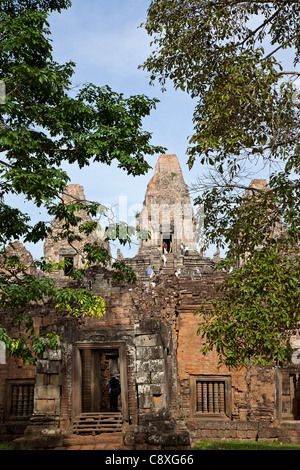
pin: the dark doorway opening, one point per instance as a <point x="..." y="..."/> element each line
<point x="69" y="265"/>
<point x="109" y="368"/>
<point x="290" y="395"/>
<point x="98" y="366"/>
<point x="167" y="240"/>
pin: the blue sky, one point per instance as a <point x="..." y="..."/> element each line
<point x="105" y="41"/>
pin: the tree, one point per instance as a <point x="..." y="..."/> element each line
<point x="257" y="312"/>
<point x="41" y="126"/>
<point x="225" y="54"/>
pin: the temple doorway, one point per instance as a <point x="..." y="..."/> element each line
<point x="98" y="367"/>
<point x="167" y="239"/>
<point x="93" y="368"/>
<point x="109" y="370"/>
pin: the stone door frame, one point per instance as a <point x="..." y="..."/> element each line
<point x="77" y="374"/>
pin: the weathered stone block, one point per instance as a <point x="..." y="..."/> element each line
<point x="55" y="379"/>
<point x="47" y="406"/>
<point x="47" y="391"/>
<point x="48" y="367"/>
<point x="148" y="340"/>
<point x="242" y="426"/>
<point x="147" y="327"/>
<point x="142" y="366"/>
<point x="129" y="438"/>
<point x="157" y="389"/>
<point x="183" y="439"/>
<point x="170" y="439"/>
<point x="144" y="395"/>
<point x="157" y="377"/>
<point x="52" y="355"/>
<point x="154" y="439"/>
<point x="156" y="365"/>
<point x="156" y="352"/>
<point x="143" y="378"/>
<point x="140" y="438"/>
<point x="144" y="353"/>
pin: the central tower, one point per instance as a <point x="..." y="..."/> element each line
<point x="168" y="226"/>
<point x="167" y="212"/>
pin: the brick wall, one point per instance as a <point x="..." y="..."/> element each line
<point x="162" y="321"/>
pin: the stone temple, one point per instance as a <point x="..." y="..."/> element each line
<point x="168" y="217"/>
<point x="171" y="395"/>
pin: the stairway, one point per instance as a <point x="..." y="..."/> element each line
<point x="169" y="268"/>
<point x="96" y="423"/>
<point x="95" y="431"/>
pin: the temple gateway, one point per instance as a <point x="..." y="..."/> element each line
<point x="169" y="395"/>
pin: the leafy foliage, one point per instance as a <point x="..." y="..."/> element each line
<point x="213" y="51"/>
<point x="41" y="127"/>
<point x="225" y="55"/>
<point x="79" y="302"/>
<point x="258" y="311"/>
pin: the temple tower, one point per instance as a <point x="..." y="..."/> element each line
<point x="57" y="248"/>
<point x="168" y="226"/>
<point x="167" y="212"/>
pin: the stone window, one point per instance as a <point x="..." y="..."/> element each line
<point x="19" y="399"/>
<point x="211" y="396"/>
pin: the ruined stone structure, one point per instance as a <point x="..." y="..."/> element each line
<point x="168" y="217"/>
<point x="171" y="395"/>
<point x="59" y="249"/>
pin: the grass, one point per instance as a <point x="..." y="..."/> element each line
<point x="3" y="445"/>
<point x="243" y="445"/>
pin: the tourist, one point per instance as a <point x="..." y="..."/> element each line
<point x="164" y="259"/>
<point x="114" y="392"/>
<point x="181" y="248"/>
<point x="149" y="271"/>
<point x="178" y="272"/>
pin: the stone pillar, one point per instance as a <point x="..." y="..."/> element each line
<point x="151" y="368"/>
<point x="47" y="395"/>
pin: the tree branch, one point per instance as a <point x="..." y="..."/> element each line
<point x="259" y="27"/>
<point x="237" y="2"/>
<point x="280" y="47"/>
<point x="5" y="163"/>
<point x="288" y="73"/>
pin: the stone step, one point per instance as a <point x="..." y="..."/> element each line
<point x="95" y="423"/>
<point x="75" y="440"/>
<point x="103" y="441"/>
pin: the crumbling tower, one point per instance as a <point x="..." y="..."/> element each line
<point x="167" y="210"/>
<point x="57" y="248"/>
<point x="168" y="217"/>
